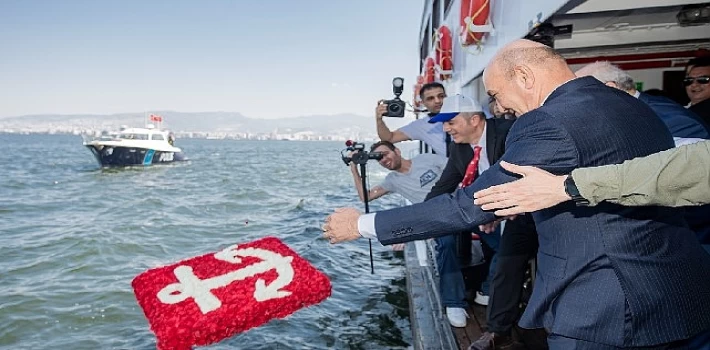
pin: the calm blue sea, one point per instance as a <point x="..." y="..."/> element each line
<point x="73" y="236"/>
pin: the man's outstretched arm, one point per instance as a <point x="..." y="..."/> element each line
<point x="533" y="140"/>
<point x="675" y="177"/>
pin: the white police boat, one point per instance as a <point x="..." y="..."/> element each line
<point x="135" y="146"/>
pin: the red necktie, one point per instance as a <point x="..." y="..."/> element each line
<point x="472" y="168"/>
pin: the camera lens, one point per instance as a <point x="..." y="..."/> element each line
<point x="393" y="107"/>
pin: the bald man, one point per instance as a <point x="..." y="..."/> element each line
<point x="609" y="276"/>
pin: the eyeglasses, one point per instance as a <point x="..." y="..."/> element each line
<point x="701" y="80"/>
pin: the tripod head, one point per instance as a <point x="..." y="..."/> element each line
<point x="359" y="154"/>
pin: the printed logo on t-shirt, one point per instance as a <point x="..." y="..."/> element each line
<point x="427" y="177"/>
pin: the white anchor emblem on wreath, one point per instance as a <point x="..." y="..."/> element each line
<point x="190" y="286"/>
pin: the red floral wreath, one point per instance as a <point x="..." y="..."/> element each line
<point x="179" y="321"/>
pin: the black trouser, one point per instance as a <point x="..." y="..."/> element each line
<point x="516" y="249"/>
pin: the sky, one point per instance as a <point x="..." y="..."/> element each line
<point x="264" y="59"/>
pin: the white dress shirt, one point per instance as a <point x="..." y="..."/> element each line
<point x="366" y="222"/>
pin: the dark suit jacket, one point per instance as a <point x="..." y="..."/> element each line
<point x="460" y="156"/>
<point x="680" y="121"/>
<point x="684" y="123"/>
<point x="624" y="276"/>
<point x="702" y="109"/>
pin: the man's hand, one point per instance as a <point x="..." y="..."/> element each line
<point x="380" y="110"/>
<point x="353" y="166"/>
<point x="491" y="226"/>
<point x="341" y="226"/>
<point x="537" y="190"/>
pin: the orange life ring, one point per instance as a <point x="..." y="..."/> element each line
<point x="475" y="12"/>
<point x="429" y="70"/>
<point x="444" y="46"/>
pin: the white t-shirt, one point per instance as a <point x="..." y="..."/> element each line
<point x="417" y="182"/>
<point x="431" y="134"/>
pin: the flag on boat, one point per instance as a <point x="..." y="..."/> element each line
<point x="156" y="118"/>
<point x="205" y="299"/>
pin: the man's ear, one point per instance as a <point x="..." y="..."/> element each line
<point x="611" y="84"/>
<point x="524" y="76"/>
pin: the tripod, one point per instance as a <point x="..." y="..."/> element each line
<point x="363" y="178"/>
<point x="360" y="156"/>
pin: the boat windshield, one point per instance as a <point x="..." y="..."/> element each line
<point x="133" y="136"/>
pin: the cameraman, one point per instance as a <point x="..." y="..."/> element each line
<point x="432" y="95"/>
<point x="412" y="179"/>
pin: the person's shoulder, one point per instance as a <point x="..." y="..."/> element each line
<point x="417" y="125"/>
<point x="500" y="123"/>
<point x="537" y="115"/>
<point x="429" y="157"/>
<point x="536" y="122"/>
<point x="652" y="100"/>
<point x="703" y="106"/>
<point x="420" y="122"/>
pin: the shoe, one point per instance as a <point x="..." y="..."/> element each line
<point x="491" y="341"/>
<point x="481" y="299"/>
<point x="457" y="316"/>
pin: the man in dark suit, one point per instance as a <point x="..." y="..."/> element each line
<point x="697" y="86"/>
<point x="684" y="125"/>
<point x="478" y="143"/>
<point x="609" y="276"/>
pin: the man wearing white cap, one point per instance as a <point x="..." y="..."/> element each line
<point x="478" y="143"/>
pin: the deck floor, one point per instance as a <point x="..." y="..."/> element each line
<point x="430" y="327"/>
<point x="523" y="339"/>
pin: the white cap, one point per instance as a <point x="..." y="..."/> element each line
<point x="453" y="105"/>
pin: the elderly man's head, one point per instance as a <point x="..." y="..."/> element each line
<point x="522" y="74"/>
<point x="609" y="74"/>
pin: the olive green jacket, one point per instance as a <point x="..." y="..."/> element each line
<point x="676" y="177"/>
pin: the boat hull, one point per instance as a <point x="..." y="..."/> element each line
<point x="128" y="156"/>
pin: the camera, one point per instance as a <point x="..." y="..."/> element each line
<point x="395" y="106"/>
<point x="359" y="156"/>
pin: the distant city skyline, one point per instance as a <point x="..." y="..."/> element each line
<point x="267" y="59"/>
<point x="207" y="125"/>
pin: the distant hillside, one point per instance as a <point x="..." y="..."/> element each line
<point x="198" y="122"/>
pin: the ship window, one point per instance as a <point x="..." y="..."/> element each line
<point x="435" y="16"/>
<point x="134" y="136"/>
<point x="157" y="137"/>
<point x="447" y="6"/>
<point x="424" y="49"/>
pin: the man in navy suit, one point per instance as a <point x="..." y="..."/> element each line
<point x="478" y="143"/>
<point x="685" y="126"/>
<point x="609" y="276"/>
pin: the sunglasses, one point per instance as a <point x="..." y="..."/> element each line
<point x="701" y="80"/>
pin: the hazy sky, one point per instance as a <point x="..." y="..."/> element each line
<point x="265" y="59"/>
